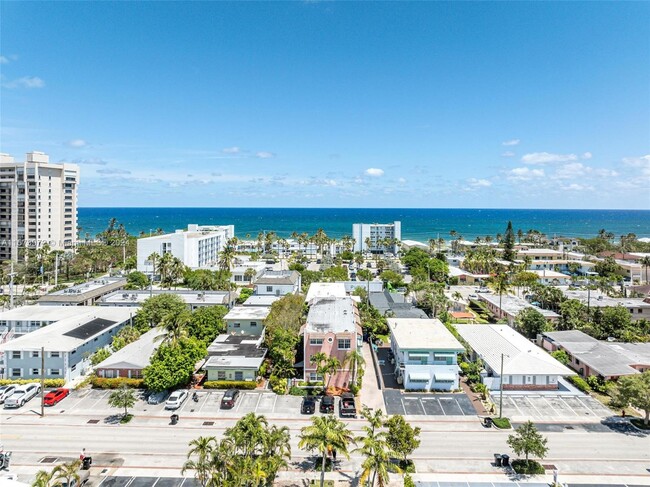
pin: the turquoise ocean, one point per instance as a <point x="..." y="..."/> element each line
<point x="417" y="224"/>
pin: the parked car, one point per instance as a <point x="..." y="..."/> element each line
<point x="308" y="405"/>
<point x="327" y="404"/>
<point x="473" y="296"/>
<point x="347" y="406"/>
<point x="157" y="397"/>
<point x="229" y="399"/>
<point x="55" y="396"/>
<point x="6" y="391"/>
<point x="21" y="395"/>
<point x="176" y="399"/>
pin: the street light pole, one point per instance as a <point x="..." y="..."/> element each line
<point x="501" y="388"/>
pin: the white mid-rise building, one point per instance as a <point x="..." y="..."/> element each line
<point x="377" y="233"/>
<point x="197" y="247"/>
<point x="38" y="205"/>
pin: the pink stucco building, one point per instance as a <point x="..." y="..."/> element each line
<point x="333" y="327"/>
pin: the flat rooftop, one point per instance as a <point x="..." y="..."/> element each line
<point x="421" y="334"/>
<point x="319" y="290"/>
<point x="598" y="299"/>
<point x="520" y="355"/>
<point x="278" y="278"/>
<point x="549" y="274"/>
<point x="265" y="300"/>
<point x="70" y="333"/>
<point x="87" y="290"/>
<point x="136" y="298"/>
<point x="44" y="313"/>
<point x="248" y="313"/>
<point x="332" y="315"/>
<point x="237" y="346"/>
<point x="513" y="305"/>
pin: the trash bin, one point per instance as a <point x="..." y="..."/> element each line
<point x="86" y="463"/>
<point x="505" y="460"/>
<point x="174" y="418"/>
<point x="497" y="459"/>
<point x="487" y="422"/>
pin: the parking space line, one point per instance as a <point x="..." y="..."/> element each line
<point x="584" y="403"/>
<point x="533" y="406"/>
<point x="259" y="397"/>
<point x="98" y="400"/>
<point x="568" y="406"/>
<point x="459" y="407"/>
<point x="207" y="399"/>
<point x="443" y="409"/>
<point x="274" y="402"/>
<point x="515" y="405"/>
<point x="185" y="402"/>
<point x="550" y="404"/>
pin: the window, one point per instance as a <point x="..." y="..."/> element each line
<point x="36" y="371"/>
<point x="74" y="367"/>
<point x="269" y="289"/>
<point x="239" y="375"/>
<point x="16" y="372"/>
<point x="253" y="323"/>
<point x="239" y="278"/>
<point x="424" y="381"/>
<point x="16" y="355"/>
<point x="344" y="344"/>
<point x="55" y="372"/>
<point x="221" y="375"/>
<point x="314" y="377"/>
<point x="236" y="325"/>
<point x="315" y="341"/>
<point x="55" y="354"/>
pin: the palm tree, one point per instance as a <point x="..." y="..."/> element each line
<point x="175" y="324"/>
<point x="155" y="256"/>
<point x="645" y="263"/>
<point x="323" y="435"/>
<point x="122" y="398"/>
<point x="43" y="479"/>
<point x="203" y="447"/>
<point x="355" y="360"/>
<point x="227" y="254"/>
<point x="67" y="472"/>
<point x="501" y="285"/>
<point x="376" y="451"/>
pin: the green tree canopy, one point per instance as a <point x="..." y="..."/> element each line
<point x="531" y="322"/>
<point x="335" y="273"/>
<point x="172" y="366"/>
<point x="207" y="323"/>
<point x="402" y="438"/>
<point x="136" y="280"/>
<point x="155" y="308"/>
<point x="528" y="441"/>
<point x="123" y="397"/>
<point x="634" y="390"/>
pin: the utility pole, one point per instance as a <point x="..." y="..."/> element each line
<point x="11" y="286"/>
<point x="56" y="270"/>
<point x="42" y="382"/>
<point x="501" y="388"/>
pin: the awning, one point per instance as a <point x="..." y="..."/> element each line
<point x="418" y="354"/>
<point x="419" y="376"/>
<point x="444" y="377"/>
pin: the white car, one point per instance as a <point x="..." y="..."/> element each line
<point x="6" y="391"/>
<point x="176" y="399"/>
<point x="21" y="395"/>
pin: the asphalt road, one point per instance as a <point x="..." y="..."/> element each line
<point x="149" y="446"/>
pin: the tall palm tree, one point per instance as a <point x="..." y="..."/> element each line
<point x="377" y="458"/>
<point x="175" y="325"/>
<point x="153" y="258"/>
<point x="501" y="284"/>
<point x="645" y="263"/>
<point x="202" y="447"/>
<point x="355" y="360"/>
<point x="43" y="479"/>
<point x="67" y="472"/>
<point x="324" y="434"/>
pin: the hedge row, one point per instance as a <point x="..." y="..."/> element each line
<point x="102" y="383"/>
<point x="48" y="382"/>
<point x="229" y="384"/>
<point x="579" y="382"/>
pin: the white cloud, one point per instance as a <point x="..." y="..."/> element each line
<point x="547" y="157"/>
<point x="231" y="150"/>
<point x="508" y="153"/>
<point x="374" y="172"/>
<point x="575" y="170"/>
<point x="587" y="155"/>
<point x="77" y="143"/>
<point x="401" y="180"/>
<point x="511" y="142"/>
<point x="113" y="171"/>
<point x="578" y="187"/>
<point x="642" y="162"/>
<point x="92" y="161"/>
<point x="524" y="174"/>
<point x="25" y="82"/>
<point x="264" y="155"/>
<point x="479" y="183"/>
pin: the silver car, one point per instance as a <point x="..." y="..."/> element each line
<point x="176" y="399"/>
<point x="6" y="391"/>
<point x="21" y="395"/>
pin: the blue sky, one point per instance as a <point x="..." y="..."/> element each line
<point x="322" y="104"/>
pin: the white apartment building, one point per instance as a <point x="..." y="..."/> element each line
<point x="376" y="232"/>
<point x="197" y="247"/>
<point x="38" y="204"/>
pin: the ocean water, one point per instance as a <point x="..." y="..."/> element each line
<point x="417" y="224"/>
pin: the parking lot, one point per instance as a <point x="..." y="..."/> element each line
<point x="95" y="402"/>
<point x="553" y="408"/>
<point x="146" y="482"/>
<point x="428" y="404"/>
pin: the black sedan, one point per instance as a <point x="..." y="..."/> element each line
<point x="308" y="405"/>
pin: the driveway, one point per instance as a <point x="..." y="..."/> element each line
<point x="428" y="404"/>
<point x="387" y="369"/>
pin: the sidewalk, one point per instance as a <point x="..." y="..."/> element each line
<point x="371" y="395"/>
<point x="474" y="398"/>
